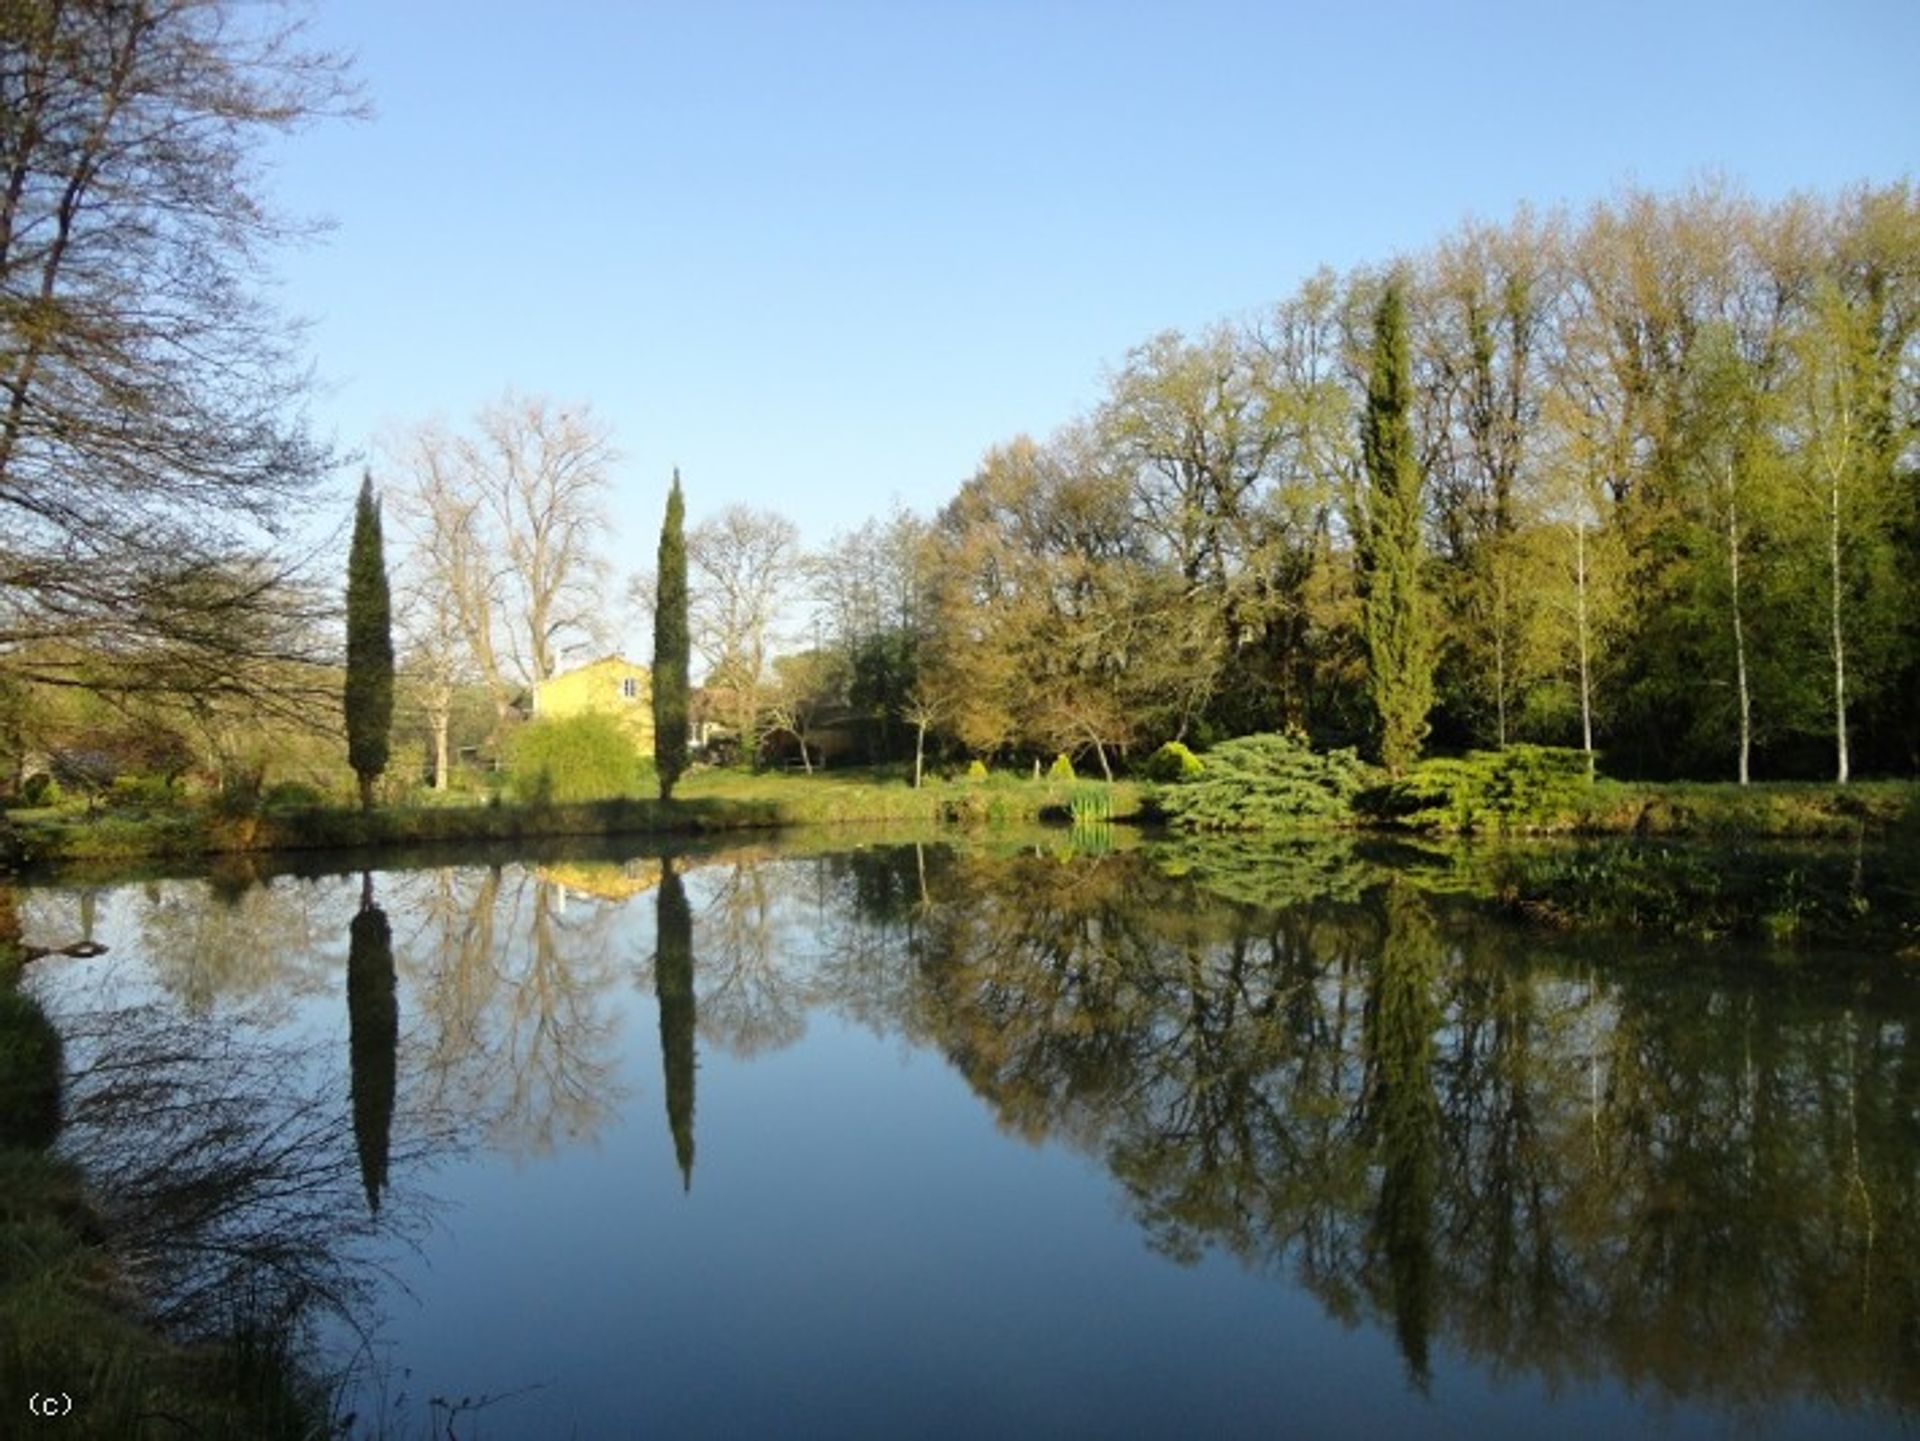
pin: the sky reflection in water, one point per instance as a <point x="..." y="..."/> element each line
<point x="915" y="1141"/>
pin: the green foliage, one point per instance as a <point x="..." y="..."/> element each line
<point x="293" y="796"/>
<point x="1173" y="762"/>
<point x="1266" y="781"/>
<point x="29" y="1072"/>
<point x="672" y="688"/>
<point x="1523" y="787"/>
<point x="1091" y="804"/>
<point x="369" y="687"/>
<point x="143" y="793"/>
<point x="1399" y="621"/>
<point x="1061" y="769"/>
<point x="42" y="789"/>
<point x="1705" y="893"/>
<point x="976" y="770"/>
<point x="587" y="757"/>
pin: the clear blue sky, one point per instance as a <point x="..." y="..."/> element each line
<point x="820" y="255"/>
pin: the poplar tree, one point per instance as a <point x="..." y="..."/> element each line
<point x="369" y="688"/>
<point x="1398" y="614"/>
<point x="671" y="646"/>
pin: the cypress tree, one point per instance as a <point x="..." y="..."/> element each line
<point x="369" y="690"/>
<point x="1398" y="614"/>
<point x="670" y="647"/>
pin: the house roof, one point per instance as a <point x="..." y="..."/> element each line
<point x="615" y="659"/>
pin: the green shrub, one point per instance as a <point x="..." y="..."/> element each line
<point x="1523" y="787"/>
<point x="293" y="795"/>
<point x="29" y="1073"/>
<point x="977" y="770"/>
<point x="1173" y="763"/>
<point x="586" y="757"/>
<point x="42" y="789"/>
<point x="1061" y="769"/>
<point x="143" y="793"/>
<point x="1267" y="781"/>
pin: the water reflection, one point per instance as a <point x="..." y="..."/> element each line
<point x="373" y="1028"/>
<point x="514" y="975"/>
<point x="1699" y="1182"/>
<point x="1704" y="1185"/>
<point x="226" y="1159"/>
<point x="673" y="985"/>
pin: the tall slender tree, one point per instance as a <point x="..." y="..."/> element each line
<point x="1398" y="615"/>
<point x="369" y="690"/>
<point x="671" y="646"/>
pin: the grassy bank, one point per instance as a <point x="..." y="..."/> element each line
<point x="709" y="802"/>
<point x="68" y="1320"/>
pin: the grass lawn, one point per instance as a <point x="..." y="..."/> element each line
<point x="707" y="801"/>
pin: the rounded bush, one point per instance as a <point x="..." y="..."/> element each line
<point x="589" y="757"/>
<point x="1061" y="769"/>
<point x="1172" y="763"/>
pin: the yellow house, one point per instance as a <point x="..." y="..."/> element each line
<point x="611" y="684"/>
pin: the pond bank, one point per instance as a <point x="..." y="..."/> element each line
<point x="70" y="1321"/>
<point x="708" y="804"/>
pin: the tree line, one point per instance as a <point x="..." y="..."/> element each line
<point x="1643" y="480"/>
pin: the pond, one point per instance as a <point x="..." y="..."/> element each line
<point x="942" y="1140"/>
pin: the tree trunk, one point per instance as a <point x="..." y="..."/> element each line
<point x="919" y="750"/>
<point x="366" y="794"/>
<point x="1739" y="632"/>
<point x="442" y="724"/>
<point x="1580" y="624"/>
<point x="1839" y="641"/>
<point x="1500" y="651"/>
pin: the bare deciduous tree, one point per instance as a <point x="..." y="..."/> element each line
<point x="149" y="398"/>
<point x="503" y="522"/>
<point x="746" y="564"/>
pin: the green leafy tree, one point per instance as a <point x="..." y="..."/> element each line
<point x="369" y="690"/>
<point x="670" y="647"/>
<point x="1398" y="613"/>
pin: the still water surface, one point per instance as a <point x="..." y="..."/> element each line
<point x="916" y="1141"/>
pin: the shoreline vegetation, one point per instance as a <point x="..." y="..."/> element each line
<point x="70" y="1313"/>
<point x="1690" y="862"/>
<point x="1785" y="861"/>
<point x="723" y="802"/>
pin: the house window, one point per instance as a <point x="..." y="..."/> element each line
<point x="629" y="689"/>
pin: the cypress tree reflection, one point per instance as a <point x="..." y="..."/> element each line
<point x="673" y="984"/>
<point x="1404" y="1118"/>
<point x="373" y="1026"/>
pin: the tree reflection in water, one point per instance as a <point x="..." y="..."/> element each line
<point x="1698" y="1181"/>
<point x="1703" y="1183"/>
<point x="229" y="1161"/>
<point x="514" y="976"/>
<point x="673" y="985"/>
<point x="373" y="1029"/>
